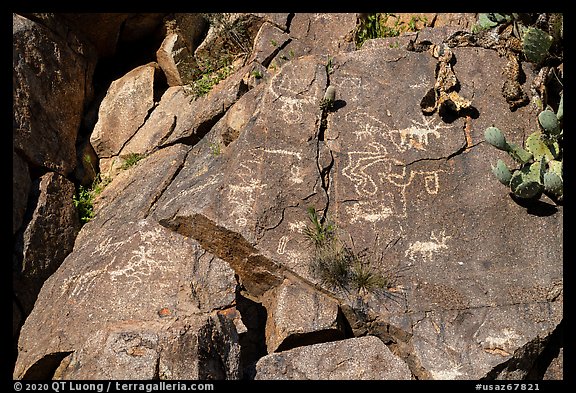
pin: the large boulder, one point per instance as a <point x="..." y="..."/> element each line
<point x="123" y="111"/>
<point x="376" y="169"/>
<point x="364" y="358"/>
<point x="300" y="316"/>
<point x="48" y="237"/>
<point x="52" y="81"/>
<point x="134" y="299"/>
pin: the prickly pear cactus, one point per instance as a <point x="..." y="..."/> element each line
<point x="502" y="172"/>
<point x="540" y="160"/>
<point x="535" y="44"/>
<point x="496" y="138"/>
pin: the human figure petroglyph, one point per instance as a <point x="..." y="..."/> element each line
<point x="293" y="92"/>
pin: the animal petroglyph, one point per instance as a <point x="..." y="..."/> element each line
<point x="298" y="155"/>
<point x="298" y="226"/>
<point x="426" y="249"/>
<point x="126" y="269"/>
<point x="368" y="212"/>
<point x="417" y="135"/>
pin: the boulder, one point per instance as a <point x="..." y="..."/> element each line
<point x="375" y="169"/>
<point x="267" y="43"/>
<point x="250" y="215"/>
<point x="124" y="110"/>
<point x="300" y="316"/>
<point x="145" y="303"/>
<point x="176" y="53"/>
<point x="174" y="59"/>
<point x="462" y="259"/>
<point x="52" y="81"/>
<point x="182" y="118"/>
<point x="307" y="36"/>
<point x="229" y="35"/>
<point x="48" y="236"/>
<point x="365" y="358"/>
<point x="21" y="184"/>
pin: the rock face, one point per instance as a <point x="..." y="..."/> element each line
<point x="48" y="237"/>
<point x="127" y="324"/>
<point x="298" y="315"/>
<point x="197" y="264"/>
<point x="52" y="80"/>
<point x="355" y="358"/>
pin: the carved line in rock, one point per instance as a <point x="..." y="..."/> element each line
<point x="426" y="249"/>
<point x="242" y="194"/>
<point x="287" y="91"/>
<point x="384" y="169"/>
<point x="142" y="263"/>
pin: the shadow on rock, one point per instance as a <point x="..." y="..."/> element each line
<point x="535" y="207"/>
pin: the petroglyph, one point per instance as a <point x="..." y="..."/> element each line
<point x="147" y="259"/>
<point x="284" y="152"/>
<point x="368" y="211"/>
<point x="210" y="181"/>
<point x="292" y="92"/>
<point x="297" y="226"/>
<point x="359" y="162"/>
<point x="427" y="249"/>
<point x="282" y="245"/>
<point x="417" y="135"/>
<point x="374" y="171"/>
<point x="422" y="82"/>
<point x="242" y="195"/>
<point x="350" y="83"/>
<point x="503" y="344"/>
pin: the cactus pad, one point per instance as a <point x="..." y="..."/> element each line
<point x="496" y="138"/>
<point x="536" y="144"/>
<point x="549" y="122"/>
<point x="502" y="172"/>
<point x="519" y="154"/>
<point x="535" y="44"/>
<point x="553" y="183"/>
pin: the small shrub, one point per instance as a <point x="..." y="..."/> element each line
<point x="84" y="204"/>
<point x="337" y="266"/>
<point x="84" y="198"/>
<point x="215" y="149"/>
<point x="208" y="80"/>
<point x="131" y="159"/>
<point x="322" y="233"/>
